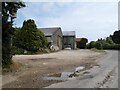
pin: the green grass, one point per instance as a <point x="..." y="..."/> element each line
<point x="14" y="67"/>
<point x="97" y="50"/>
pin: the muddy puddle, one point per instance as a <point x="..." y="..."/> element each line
<point x="61" y="76"/>
<point x="64" y="75"/>
<point x="79" y="72"/>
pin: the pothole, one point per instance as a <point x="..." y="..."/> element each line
<point x="64" y="75"/>
<point x="58" y="76"/>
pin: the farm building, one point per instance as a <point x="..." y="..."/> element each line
<point x="54" y="37"/>
<point x="69" y="39"/>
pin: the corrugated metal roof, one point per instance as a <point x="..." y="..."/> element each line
<point x="49" y="31"/>
<point x="68" y="33"/>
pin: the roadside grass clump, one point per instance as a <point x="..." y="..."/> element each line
<point x="14" y="67"/>
<point x="96" y="50"/>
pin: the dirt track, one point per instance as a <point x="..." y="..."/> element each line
<point x="104" y="75"/>
<point x="37" y="66"/>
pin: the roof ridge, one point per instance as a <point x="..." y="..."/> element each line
<point x="50" y="27"/>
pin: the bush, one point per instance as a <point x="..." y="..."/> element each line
<point x="94" y="44"/>
<point x="98" y="45"/>
<point x="112" y="47"/>
<point x="16" y="50"/>
<point x="91" y="45"/>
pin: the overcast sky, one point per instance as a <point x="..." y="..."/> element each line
<point x="92" y="20"/>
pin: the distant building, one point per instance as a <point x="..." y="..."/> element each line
<point x="69" y="39"/>
<point x="54" y="37"/>
<point x="59" y="40"/>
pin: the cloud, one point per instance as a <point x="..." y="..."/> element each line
<point x="91" y="20"/>
<point x="71" y="0"/>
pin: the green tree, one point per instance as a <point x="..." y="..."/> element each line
<point x="82" y="43"/>
<point x="98" y="45"/>
<point x="116" y="37"/>
<point x="9" y="10"/>
<point x="91" y="45"/>
<point x="109" y="40"/>
<point x="29" y="37"/>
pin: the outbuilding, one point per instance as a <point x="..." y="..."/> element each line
<point x="69" y="39"/>
<point x="54" y="37"/>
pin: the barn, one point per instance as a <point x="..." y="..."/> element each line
<point x="54" y="37"/>
<point x="69" y="39"/>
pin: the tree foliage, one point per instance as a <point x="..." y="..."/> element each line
<point x="109" y="40"/>
<point x="116" y="37"/>
<point x="82" y="43"/>
<point x="9" y="10"/>
<point x="29" y="37"/>
<point x="108" y="43"/>
<point x="91" y="44"/>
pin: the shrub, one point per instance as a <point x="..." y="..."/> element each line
<point x="98" y="45"/>
<point x="112" y="47"/>
<point x="16" y="50"/>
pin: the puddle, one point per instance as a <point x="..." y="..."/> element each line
<point x="78" y="69"/>
<point x="86" y="72"/>
<point x="66" y="75"/>
<point x="86" y="77"/>
<point x="60" y="76"/>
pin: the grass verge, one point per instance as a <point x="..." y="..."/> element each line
<point x="14" y="67"/>
<point x="97" y="50"/>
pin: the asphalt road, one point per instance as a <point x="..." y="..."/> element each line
<point x="105" y="75"/>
